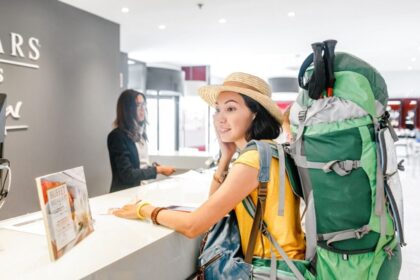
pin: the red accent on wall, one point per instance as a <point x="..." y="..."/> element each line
<point x="199" y="73"/>
<point x="195" y="73"/>
<point x="187" y="71"/>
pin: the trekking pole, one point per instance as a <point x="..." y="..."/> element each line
<point x="317" y="82"/>
<point x="329" y="57"/>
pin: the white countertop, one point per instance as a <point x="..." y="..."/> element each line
<point x="24" y="255"/>
<point x="181" y="159"/>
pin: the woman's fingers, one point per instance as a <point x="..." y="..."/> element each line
<point x="128" y="206"/>
<point x="167" y="170"/>
<point x="128" y="211"/>
<point x="127" y="214"/>
<point x="119" y="213"/>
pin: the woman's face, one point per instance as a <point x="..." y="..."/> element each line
<point x="141" y="108"/>
<point x="232" y="118"/>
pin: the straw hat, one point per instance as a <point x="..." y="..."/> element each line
<point x="245" y="84"/>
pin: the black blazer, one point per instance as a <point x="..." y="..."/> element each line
<point x="125" y="162"/>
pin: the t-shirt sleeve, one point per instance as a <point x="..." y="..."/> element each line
<point x="249" y="158"/>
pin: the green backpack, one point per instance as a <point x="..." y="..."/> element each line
<point x="344" y="152"/>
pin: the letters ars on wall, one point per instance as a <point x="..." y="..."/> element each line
<point x="18" y="44"/>
<point x="20" y="49"/>
<point x="21" y="52"/>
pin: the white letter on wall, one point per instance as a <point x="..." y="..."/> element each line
<point x="34" y="48"/>
<point x="1" y="48"/>
<point x="1" y="75"/>
<point x="15" y="113"/>
<point x="17" y="42"/>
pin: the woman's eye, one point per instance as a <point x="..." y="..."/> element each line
<point x="230" y="109"/>
<point x="217" y="110"/>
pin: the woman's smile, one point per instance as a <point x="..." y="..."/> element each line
<point x="223" y="130"/>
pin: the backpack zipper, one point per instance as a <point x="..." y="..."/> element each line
<point x="202" y="268"/>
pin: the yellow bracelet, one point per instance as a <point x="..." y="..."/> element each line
<point x="138" y="209"/>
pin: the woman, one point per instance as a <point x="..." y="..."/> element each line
<point x="127" y="144"/>
<point x="244" y="111"/>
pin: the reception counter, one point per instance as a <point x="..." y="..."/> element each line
<point x="118" y="248"/>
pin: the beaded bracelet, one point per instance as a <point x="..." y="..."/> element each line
<point x="155" y="213"/>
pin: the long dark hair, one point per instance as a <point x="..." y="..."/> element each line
<point x="264" y="125"/>
<point x="127" y="115"/>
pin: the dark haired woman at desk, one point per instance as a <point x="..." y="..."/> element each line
<point x="127" y="144"/>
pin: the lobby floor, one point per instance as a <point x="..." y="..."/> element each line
<point x="410" y="180"/>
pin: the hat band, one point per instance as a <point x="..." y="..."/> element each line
<point x="241" y="85"/>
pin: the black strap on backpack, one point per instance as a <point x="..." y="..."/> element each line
<point x="256" y="225"/>
<point x="322" y="77"/>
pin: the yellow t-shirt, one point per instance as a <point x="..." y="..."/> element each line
<point x="285" y="229"/>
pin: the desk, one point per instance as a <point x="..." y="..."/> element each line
<point x="118" y="248"/>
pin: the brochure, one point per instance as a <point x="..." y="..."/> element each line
<point x="65" y="208"/>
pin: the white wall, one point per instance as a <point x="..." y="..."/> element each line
<point x="402" y="83"/>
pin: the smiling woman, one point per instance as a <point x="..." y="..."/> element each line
<point x="244" y="113"/>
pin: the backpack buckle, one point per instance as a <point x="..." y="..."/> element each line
<point x="264" y="230"/>
<point x="302" y="115"/>
<point x="362" y="232"/>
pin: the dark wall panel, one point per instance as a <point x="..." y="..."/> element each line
<point x="68" y="103"/>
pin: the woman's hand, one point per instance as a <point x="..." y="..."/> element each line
<point x="128" y="211"/>
<point x="165" y="170"/>
<point x="227" y="150"/>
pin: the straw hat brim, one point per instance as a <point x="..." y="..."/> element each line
<point x="211" y="92"/>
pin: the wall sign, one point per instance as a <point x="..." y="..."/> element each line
<point x="19" y="48"/>
<point x="14" y="112"/>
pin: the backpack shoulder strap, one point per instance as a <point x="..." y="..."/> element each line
<point x="263" y="178"/>
<point x="258" y="225"/>
<point x="290" y="166"/>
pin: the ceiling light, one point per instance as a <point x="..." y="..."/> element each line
<point x="413" y="59"/>
<point x="131" y="62"/>
<point x="125" y="10"/>
<point x="410" y="68"/>
<point x="291" y="14"/>
<point x="162" y="27"/>
<point x="222" y="20"/>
